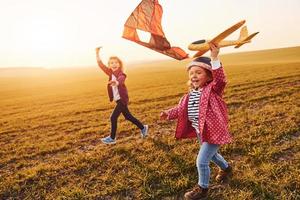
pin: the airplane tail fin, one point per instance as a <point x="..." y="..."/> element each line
<point x="244" y="37"/>
<point x="243" y="33"/>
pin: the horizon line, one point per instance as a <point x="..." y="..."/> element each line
<point x="134" y="62"/>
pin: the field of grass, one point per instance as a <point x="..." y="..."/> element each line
<point x="52" y="122"/>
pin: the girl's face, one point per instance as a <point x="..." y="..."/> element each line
<point x="198" y="77"/>
<point x="113" y="64"/>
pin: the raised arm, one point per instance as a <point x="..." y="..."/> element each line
<point x="102" y="66"/>
<point x="219" y="79"/>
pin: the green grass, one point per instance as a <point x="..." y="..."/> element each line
<point x="52" y="122"/>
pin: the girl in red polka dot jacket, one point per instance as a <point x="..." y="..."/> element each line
<point x="202" y="113"/>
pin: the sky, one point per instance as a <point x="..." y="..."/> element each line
<point x="64" y="33"/>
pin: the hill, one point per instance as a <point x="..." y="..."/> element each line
<point x="51" y="126"/>
<point x="282" y="55"/>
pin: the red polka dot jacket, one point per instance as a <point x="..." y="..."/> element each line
<point x="213" y="116"/>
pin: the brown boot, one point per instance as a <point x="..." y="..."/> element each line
<point x="196" y="193"/>
<point x="224" y="175"/>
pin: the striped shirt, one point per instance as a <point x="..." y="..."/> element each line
<point x="193" y="108"/>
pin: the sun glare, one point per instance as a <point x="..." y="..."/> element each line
<point x="45" y="36"/>
<point x="64" y="33"/>
<point x="40" y="39"/>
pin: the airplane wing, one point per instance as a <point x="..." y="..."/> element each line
<point x="227" y="32"/>
<point x="147" y="17"/>
<point x="200" y="53"/>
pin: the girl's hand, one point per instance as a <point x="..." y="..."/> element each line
<point x="214" y="51"/>
<point x="98" y="49"/>
<point x="163" y="115"/>
<point x="113" y="83"/>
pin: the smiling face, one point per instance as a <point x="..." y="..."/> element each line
<point x="198" y="76"/>
<point x="114" y="64"/>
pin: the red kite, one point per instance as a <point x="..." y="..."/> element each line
<point x="147" y="17"/>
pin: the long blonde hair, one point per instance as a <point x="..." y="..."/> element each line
<point x="119" y="61"/>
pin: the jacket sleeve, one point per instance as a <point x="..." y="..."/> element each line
<point x="121" y="79"/>
<point x="173" y="112"/>
<point x="219" y="80"/>
<point x="103" y="67"/>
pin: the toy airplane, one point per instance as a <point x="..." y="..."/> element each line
<point x="147" y="17"/>
<point x="202" y="46"/>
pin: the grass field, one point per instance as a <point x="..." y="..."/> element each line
<point x="52" y="122"/>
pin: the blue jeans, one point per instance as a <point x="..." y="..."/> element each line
<point x="208" y="152"/>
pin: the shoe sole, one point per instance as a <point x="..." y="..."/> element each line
<point x="108" y="142"/>
<point x="144" y="136"/>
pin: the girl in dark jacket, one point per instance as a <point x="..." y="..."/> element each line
<point x="117" y="92"/>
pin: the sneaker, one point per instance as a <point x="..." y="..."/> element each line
<point x="223" y="176"/>
<point x="108" y="140"/>
<point x="196" y="193"/>
<point x="144" y="132"/>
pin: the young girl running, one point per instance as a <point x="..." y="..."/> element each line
<point x="117" y="92"/>
<point x="202" y="113"/>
